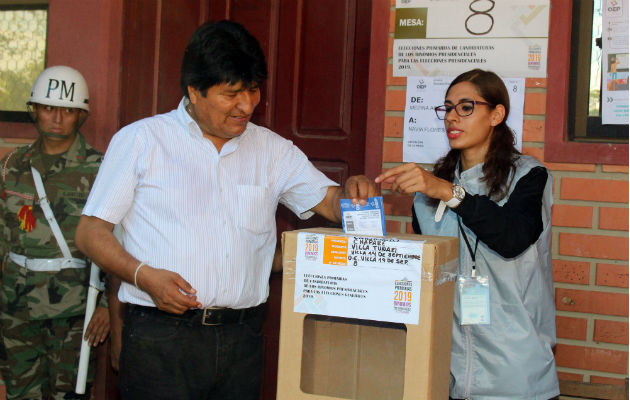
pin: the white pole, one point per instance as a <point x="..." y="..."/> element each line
<point x="84" y="358"/>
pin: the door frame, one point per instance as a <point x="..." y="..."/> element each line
<point x="379" y="54"/>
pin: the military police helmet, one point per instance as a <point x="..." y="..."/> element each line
<point x="60" y="86"/>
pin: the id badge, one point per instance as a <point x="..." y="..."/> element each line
<point x="474" y="300"/>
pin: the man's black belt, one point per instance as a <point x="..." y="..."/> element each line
<point x="210" y="316"/>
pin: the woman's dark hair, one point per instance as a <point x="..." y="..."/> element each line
<point x="222" y="52"/>
<point x="501" y="156"/>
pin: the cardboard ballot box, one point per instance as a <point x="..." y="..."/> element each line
<point x="374" y="316"/>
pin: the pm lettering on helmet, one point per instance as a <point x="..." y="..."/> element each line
<point x="65" y="92"/>
<point x="60" y="86"/>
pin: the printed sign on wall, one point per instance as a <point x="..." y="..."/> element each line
<point x="449" y="37"/>
<point x="615" y="63"/>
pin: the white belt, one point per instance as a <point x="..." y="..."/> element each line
<point x="46" y="264"/>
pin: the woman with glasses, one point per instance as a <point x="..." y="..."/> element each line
<point x="498" y="202"/>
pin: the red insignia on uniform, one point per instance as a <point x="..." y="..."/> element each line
<point x="27" y="221"/>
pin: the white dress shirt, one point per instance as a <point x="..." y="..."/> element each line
<point x="207" y="215"/>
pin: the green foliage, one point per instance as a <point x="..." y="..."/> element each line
<point x="593" y="102"/>
<point x="22" y="52"/>
<point x="15" y="87"/>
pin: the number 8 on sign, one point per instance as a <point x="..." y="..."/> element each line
<point x="475" y="29"/>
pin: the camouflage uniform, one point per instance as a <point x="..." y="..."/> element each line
<point x="42" y="313"/>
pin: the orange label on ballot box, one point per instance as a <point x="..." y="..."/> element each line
<point x="335" y="250"/>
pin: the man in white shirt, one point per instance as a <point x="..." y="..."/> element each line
<point x="196" y="191"/>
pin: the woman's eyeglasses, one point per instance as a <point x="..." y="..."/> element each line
<point x="463" y="108"/>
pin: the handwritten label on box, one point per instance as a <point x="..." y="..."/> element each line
<point x="375" y="278"/>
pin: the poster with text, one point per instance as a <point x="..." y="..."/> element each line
<point x="424" y="135"/>
<point x="374" y="278"/>
<point x="615" y="62"/>
<point x="448" y="37"/>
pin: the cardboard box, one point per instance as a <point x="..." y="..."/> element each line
<point x="323" y="357"/>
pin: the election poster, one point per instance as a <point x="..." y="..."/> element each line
<point x="448" y="37"/>
<point x="615" y="62"/>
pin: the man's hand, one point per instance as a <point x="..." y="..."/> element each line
<point x="98" y="328"/>
<point x="169" y="291"/>
<point x="358" y="188"/>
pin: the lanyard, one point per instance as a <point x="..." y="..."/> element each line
<point x="472" y="253"/>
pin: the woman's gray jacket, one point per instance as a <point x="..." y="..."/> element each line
<point x="512" y="357"/>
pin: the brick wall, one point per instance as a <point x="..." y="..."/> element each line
<point x="590" y="241"/>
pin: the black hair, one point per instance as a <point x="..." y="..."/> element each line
<point x="222" y="52"/>
<point x="501" y="157"/>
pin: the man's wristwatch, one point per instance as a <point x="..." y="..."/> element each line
<point x="458" y="195"/>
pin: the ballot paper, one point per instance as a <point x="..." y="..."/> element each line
<point x="368" y="219"/>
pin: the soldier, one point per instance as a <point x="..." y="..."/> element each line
<point x="44" y="276"/>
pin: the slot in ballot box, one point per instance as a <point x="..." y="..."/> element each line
<point x="365" y="317"/>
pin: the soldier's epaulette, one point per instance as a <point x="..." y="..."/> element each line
<point x="24" y="153"/>
<point x="4" y="164"/>
<point x="26" y="196"/>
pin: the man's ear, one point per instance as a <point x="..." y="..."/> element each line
<point x="193" y="94"/>
<point x="497" y="115"/>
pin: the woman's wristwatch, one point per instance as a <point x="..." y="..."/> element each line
<point x="458" y="195"/>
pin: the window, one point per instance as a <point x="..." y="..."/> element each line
<point x="585" y="79"/>
<point x="22" y="55"/>
<point x="569" y="133"/>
